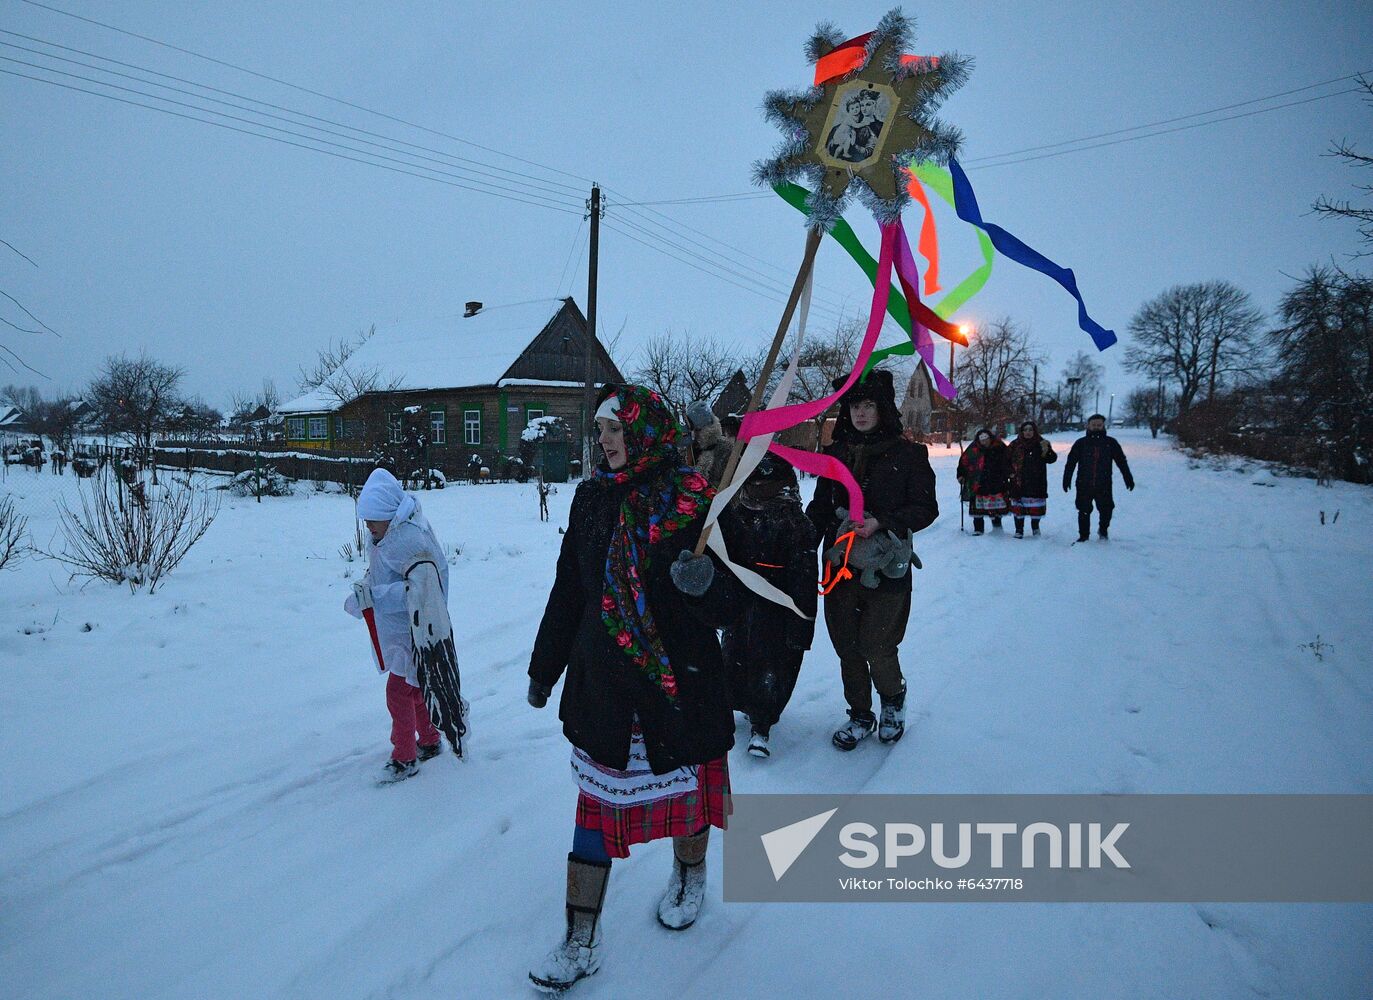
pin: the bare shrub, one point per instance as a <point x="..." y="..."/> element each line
<point x="133" y="536"/>
<point x="12" y="523"/>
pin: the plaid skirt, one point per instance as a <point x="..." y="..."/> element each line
<point x="678" y="815"/>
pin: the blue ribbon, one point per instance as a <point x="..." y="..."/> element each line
<point x="965" y="204"/>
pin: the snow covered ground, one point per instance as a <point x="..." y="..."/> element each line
<point x="187" y="806"/>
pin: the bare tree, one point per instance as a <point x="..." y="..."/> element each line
<point x="12" y="525"/>
<point x="26" y="397"/>
<point x="1195" y="336"/>
<point x="1341" y="208"/>
<point x="1083" y="376"/>
<point x="59" y="420"/>
<point x="1149" y="405"/>
<point x="995" y="374"/>
<point x="331" y="358"/>
<point x="135" y="398"/>
<point x="1325" y="365"/>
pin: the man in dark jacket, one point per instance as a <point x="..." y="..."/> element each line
<point x="1094" y="455"/>
<point x="865" y="624"/>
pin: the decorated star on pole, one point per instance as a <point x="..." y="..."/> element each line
<point x="857" y="131"/>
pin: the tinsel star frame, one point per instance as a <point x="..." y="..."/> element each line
<point x="857" y="131"/>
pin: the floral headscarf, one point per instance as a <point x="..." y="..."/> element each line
<point x="666" y="497"/>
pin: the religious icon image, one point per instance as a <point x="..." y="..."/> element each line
<point x="861" y="113"/>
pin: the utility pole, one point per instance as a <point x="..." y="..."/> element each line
<point x="1034" y="398"/>
<point x="589" y="391"/>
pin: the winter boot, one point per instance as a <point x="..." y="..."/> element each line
<point x="859" y="727"/>
<point x="1084" y="526"/>
<point x="893" y="724"/>
<point x="576" y="957"/>
<point x="686" y="889"/>
<point x="398" y="770"/>
<point x="1034" y="526"/>
<point x="1019" y="527"/>
<point x="996" y="524"/>
<point x="978" y="524"/>
<point x="1103" y="529"/>
<point x="758" y="742"/>
<point x="430" y="752"/>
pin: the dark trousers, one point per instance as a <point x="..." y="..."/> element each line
<point x="866" y="628"/>
<point x="761" y="673"/>
<point x="1105" y="504"/>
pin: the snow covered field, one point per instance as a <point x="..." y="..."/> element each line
<point x="187" y="806"/>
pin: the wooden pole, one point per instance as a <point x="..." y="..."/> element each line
<point x="589" y="391"/>
<point x="813" y="238"/>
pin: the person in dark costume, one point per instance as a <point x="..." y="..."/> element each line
<point x="1092" y="457"/>
<point x="630" y="626"/>
<point x="866" y="624"/>
<point x="1031" y="455"/>
<point x="773" y="537"/>
<point x="984" y="469"/>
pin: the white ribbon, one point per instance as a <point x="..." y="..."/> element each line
<point x="752" y="457"/>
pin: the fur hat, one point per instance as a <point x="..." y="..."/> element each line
<point x="876" y="386"/>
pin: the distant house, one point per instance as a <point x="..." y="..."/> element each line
<point x="472" y="383"/>
<point x="14" y="423"/>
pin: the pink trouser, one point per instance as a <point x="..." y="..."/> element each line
<point x="408" y="716"/>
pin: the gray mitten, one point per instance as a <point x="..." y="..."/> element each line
<point x="692" y="574"/>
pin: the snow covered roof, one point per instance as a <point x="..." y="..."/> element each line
<point x="450" y="353"/>
<point x="11" y="416"/>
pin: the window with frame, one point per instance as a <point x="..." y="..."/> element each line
<point x="319" y="428"/>
<point x="532" y="415"/>
<point x="438" y="427"/>
<point x="339" y="428"/>
<point x="472" y="426"/>
<point x="295" y="428"/>
<point x="394" y="427"/>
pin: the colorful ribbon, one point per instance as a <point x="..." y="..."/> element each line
<point x="929" y="237"/>
<point x="775" y="419"/>
<point x="908" y="276"/>
<point x="965" y="204"/>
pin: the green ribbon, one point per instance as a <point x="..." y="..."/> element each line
<point x="940" y="181"/>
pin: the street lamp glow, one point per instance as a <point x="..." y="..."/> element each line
<point x="966" y="329"/>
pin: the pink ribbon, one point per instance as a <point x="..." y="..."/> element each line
<point x="782" y="417"/>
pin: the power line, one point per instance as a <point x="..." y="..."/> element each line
<point x="1167" y="131"/>
<point x="291" y="111"/>
<point x="754" y="273"/>
<point x="490" y="187"/>
<point x="576" y="243"/>
<point x="287" y="142"/>
<point x="306" y="90"/>
<point x="773" y="291"/>
<point x="1170" y="121"/>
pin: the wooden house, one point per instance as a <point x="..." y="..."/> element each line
<point x="471" y="383"/>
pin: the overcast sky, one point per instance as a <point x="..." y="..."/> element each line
<point x="237" y="257"/>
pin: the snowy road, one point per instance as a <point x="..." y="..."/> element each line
<point x="187" y="807"/>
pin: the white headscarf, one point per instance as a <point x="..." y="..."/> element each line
<point x="382" y="498"/>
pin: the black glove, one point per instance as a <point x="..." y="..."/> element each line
<point x="1065" y="487"/>
<point x="1130" y="487"/>
<point x="538" y="694"/>
<point x="692" y="574"/>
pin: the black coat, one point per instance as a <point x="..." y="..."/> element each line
<point x="777" y="541"/>
<point x="1092" y="457"/>
<point x="898" y="490"/>
<point x="604" y="690"/>
<point x="1029" y="467"/>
